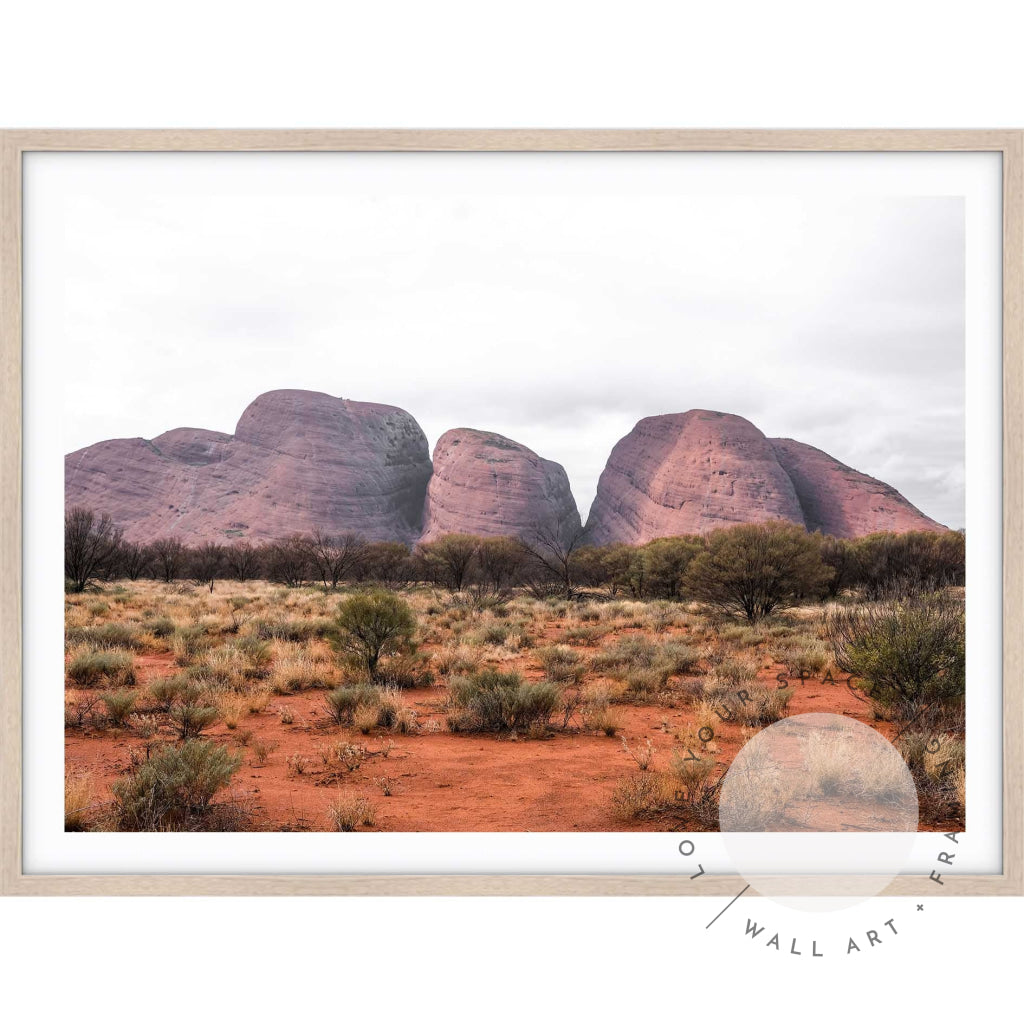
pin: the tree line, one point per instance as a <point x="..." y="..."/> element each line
<point x="752" y="568"/>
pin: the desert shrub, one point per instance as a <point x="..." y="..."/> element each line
<point x="491" y="634"/>
<point x="736" y="670"/>
<point x="173" y="790"/>
<point x="761" y="705"/>
<point x="231" y="710"/>
<point x="257" y="653"/>
<point x="192" y="712"/>
<point x="664" y="565"/>
<point x="119" y="704"/>
<point x="694" y="785"/>
<point x="627" y="653"/>
<point x="164" y="691"/>
<point x="341" y="703"/>
<point x="756" y="568"/>
<point x="562" y="664"/>
<point x="937" y="764"/>
<point x="79" y="800"/>
<point x="347" y="812"/>
<point x="583" y="635"/>
<point x="642" y="683"/>
<point x="601" y="719"/>
<point x="907" y="654"/>
<point x="678" y="657"/>
<point x="102" y="668"/>
<point x="802" y="657"/>
<point x="403" y="672"/>
<point x="371" y="626"/>
<point x="297" y="672"/>
<point x="637" y="796"/>
<point x="110" y="634"/>
<point x="460" y="659"/>
<point x="161" y="626"/>
<point x="491" y="701"/>
<point x="365" y="718"/>
<point x="189" y="644"/>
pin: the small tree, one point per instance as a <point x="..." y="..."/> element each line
<point x="371" y="626"/>
<point x="500" y="560"/>
<point x="387" y="562"/>
<point x="756" y="568"/>
<point x="450" y="559"/>
<point x="555" y="554"/>
<point x="839" y="555"/>
<point x="168" y="559"/>
<point x="91" y="547"/>
<point x="665" y="562"/>
<point x="334" y="557"/>
<point x="134" y="560"/>
<point x="207" y="564"/>
<point x="287" y="561"/>
<point x="242" y="561"/>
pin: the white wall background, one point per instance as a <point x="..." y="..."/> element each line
<point x="470" y="64"/>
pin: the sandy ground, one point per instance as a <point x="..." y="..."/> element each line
<point x="442" y="781"/>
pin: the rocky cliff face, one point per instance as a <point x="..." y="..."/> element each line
<point x="689" y="473"/>
<point x="694" y="472"/>
<point x="302" y="460"/>
<point x="838" y="500"/>
<point x="298" y="460"/>
<point x="487" y="485"/>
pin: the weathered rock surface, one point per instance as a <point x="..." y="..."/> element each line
<point x="696" y="471"/>
<point x="487" y="485"/>
<point x="689" y="472"/>
<point x="298" y="460"/>
<point x="838" y="500"/>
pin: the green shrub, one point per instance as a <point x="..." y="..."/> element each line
<point x="562" y="664"/>
<point x="341" y="703"/>
<point x="165" y="691"/>
<point x="189" y="716"/>
<point x="371" y="626"/>
<point x="257" y="653"/>
<point x="491" y="701"/>
<point x="174" y="788"/>
<point x="493" y="634"/>
<point x="678" y="657"/>
<point x="119" y="704"/>
<point x="190" y="642"/>
<point x="110" y="634"/>
<point x="163" y="626"/>
<point x="102" y="668"/>
<point x="907" y="654"/>
<point x="627" y="653"/>
<point x="755" y="568"/>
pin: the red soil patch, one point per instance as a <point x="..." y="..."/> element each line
<point x="442" y="781"/>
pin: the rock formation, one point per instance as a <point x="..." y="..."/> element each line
<point x="302" y="460"/>
<point x="696" y="471"/>
<point x="689" y="473"/>
<point x="838" y="500"/>
<point x="298" y="460"/>
<point x="487" y="485"/>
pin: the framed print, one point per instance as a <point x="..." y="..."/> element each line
<point x="512" y="512"/>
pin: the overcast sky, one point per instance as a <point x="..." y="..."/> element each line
<point x="556" y="300"/>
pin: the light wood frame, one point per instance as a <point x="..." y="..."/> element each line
<point x="13" y="144"/>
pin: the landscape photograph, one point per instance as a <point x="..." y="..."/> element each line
<point x="399" y="502"/>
